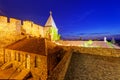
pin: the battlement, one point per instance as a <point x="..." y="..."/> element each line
<point x="32" y="29"/>
<point x="3" y="19"/>
<point x="28" y="23"/>
<point x="15" y="21"/>
<point x="29" y="28"/>
<point x="15" y="25"/>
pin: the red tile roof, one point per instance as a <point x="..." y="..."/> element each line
<point x="32" y="45"/>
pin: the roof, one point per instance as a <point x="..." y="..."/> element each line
<point x="50" y="22"/>
<point x="32" y="45"/>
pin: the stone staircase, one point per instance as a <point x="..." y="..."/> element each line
<point x="22" y="75"/>
<point x="6" y="65"/>
<point x="8" y="72"/>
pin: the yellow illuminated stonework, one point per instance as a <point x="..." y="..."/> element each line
<point x="24" y="50"/>
<point x="29" y="28"/>
<point x="29" y="51"/>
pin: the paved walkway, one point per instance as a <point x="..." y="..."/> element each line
<point x="89" y="67"/>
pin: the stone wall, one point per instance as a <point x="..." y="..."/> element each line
<point x="27" y="26"/>
<point x="39" y="67"/>
<point x="47" y="32"/>
<point x="32" y="29"/>
<point x="37" y="30"/>
<point x="11" y="26"/>
<point x="15" y="25"/>
<point x="3" y="23"/>
<point x="3" y="19"/>
<point x="59" y="71"/>
<point x="54" y="57"/>
<point x="98" y="51"/>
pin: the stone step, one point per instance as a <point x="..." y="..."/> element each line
<point x="23" y="74"/>
<point x="6" y="65"/>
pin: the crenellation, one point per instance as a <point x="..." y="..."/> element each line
<point x="15" y="21"/>
<point x="27" y="25"/>
<point x="3" y="19"/>
<point x="15" y="25"/>
<point x="3" y="23"/>
<point x="29" y="28"/>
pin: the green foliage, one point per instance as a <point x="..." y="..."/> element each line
<point x="55" y="35"/>
<point x="113" y="41"/>
<point x="110" y="44"/>
<point x="88" y="43"/>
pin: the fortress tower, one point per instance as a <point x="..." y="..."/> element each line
<point x="50" y="29"/>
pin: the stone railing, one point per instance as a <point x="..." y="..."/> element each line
<point x="98" y="51"/>
<point x="60" y="70"/>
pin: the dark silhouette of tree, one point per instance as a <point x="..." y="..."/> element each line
<point x="113" y="40"/>
<point x="80" y="38"/>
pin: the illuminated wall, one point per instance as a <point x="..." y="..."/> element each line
<point x="13" y="26"/>
<point x="28" y="28"/>
<point x="3" y="23"/>
<point x="32" y="29"/>
<point x="37" y="30"/>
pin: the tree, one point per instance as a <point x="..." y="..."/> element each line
<point x="113" y="40"/>
<point x="80" y="38"/>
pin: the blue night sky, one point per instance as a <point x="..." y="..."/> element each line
<point x="72" y="17"/>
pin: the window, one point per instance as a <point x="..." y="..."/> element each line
<point x="36" y="61"/>
<point x="18" y="56"/>
<point x="15" y="56"/>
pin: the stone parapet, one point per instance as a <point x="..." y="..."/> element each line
<point x="3" y="19"/>
<point x="111" y="52"/>
<point x="59" y="71"/>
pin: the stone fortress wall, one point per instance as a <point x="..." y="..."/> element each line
<point x="33" y="29"/>
<point x="60" y="70"/>
<point x="9" y="25"/>
<point x="15" y="26"/>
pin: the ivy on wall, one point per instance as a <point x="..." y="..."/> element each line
<point x="52" y="33"/>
